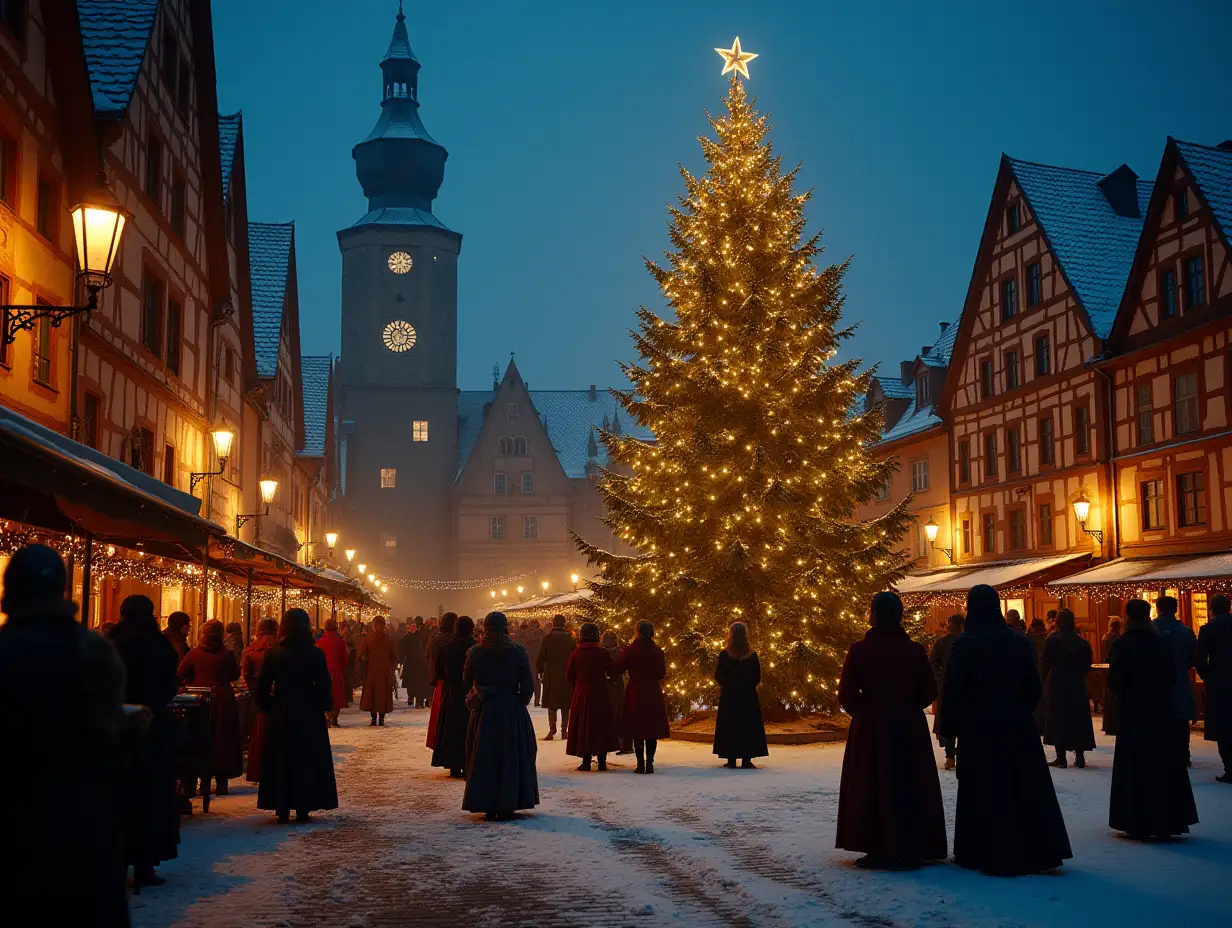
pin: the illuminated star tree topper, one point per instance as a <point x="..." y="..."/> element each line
<point x="736" y="59"/>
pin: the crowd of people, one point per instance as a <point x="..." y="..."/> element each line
<point x="95" y="710"/>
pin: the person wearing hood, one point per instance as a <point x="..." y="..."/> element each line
<point x="152" y="832"/>
<point x="1064" y="669"/>
<point x="439" y="639"/>
<point x="1007" y="819"/>
<point x="644" y="714"/>
<point x="250" y="668"/>
<point x="416" y="675"/>
<point x="335" y="650"/>
<point x="557" y="694"/>
<point x="739" y="730"/>
<point x="1151" y="794"/>
<point x="889" y="805"/>
<point x="1183" y="646"/>
<point x="938" y="659"/>
<point x="212" y="664"/>
<point x="176" y="632"/>
<point x="61" y="691"/>
<point x="235" y="639"/>
<point x="500" y="738"/>
<point x="449" y="745"/>
<point x="379" y="658"/>
<point x="294" y="691"/>
<point x="592" y="724"/>
<point x="615" y="686"/>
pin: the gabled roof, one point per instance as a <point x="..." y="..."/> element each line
<point x="115" y="35"/>
<point x="571" y="418"/>
<point x="1093" y="243"/>
<point x="894" y="388"/>
<point x="269" y="255"/>
<point x="315" y="373"/>
<point x="939" y="354"/>
<point x="1211" y="170"/>
<point x="912" y="422"/>
<point x="228" y="139"/>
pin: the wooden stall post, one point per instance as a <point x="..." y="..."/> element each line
<point x="248" y="610"/>
<point x="86" y="582"/>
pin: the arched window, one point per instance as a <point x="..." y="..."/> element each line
<point x="506" y="446"/>
<point x="519" y="445"/>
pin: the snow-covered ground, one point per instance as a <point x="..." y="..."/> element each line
<point x="692" y="845"/>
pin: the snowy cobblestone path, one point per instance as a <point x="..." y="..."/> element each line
<point x="694" y="845"/>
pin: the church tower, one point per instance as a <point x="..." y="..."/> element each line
<point x="398" y="381"/>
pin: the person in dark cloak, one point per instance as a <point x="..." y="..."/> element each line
<point x="1151" y="795"/>
<point x="250" y="669"/>
<point x="439" y="636"/>
<point x="1066" y="663"/>
<point x="176" y="632"/>
<point x="739" y="730"/>
<point x="1214" y="660"/>
<point x="534" y="641"/>
<point x="1114" y="632"/>
<point x="643" y="717"/>
<point x="500" y="739"/>
<point x="615" y="689"/>
<point x="1183" y="646"/>
<point x="152" y="827"/>
<point x="295" y="692"/>
<point x="1038" y="633"/>
<point x="449" y="746"/>
<point x="557" y="693"/>
<point x="416" y="675"/>
<point x="889" y="805"/>
<point x="61" y="693"/>
<point x="592" y="723"/>
<point x="1007" y="819"/>
<point x="333" y="646"/>
<point x="938" y="660"/>
<point x="211" y="664"/>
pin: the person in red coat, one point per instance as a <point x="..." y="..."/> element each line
<point x="250" y="670"/>
<point x="212" y="664"/>
<point x="644" y="714"/>
<point x="336" y="658"/>
<point x="592" y="723"/>
<point x="889" y="804"/>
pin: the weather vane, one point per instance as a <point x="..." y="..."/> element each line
<point x="736" y="59"/>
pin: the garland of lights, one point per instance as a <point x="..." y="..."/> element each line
<point x="458" y="584"/>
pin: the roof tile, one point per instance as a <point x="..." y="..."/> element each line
<point x="115" y="35"/>
<point x="269" y="253"/>
<point x="314" y="373"/>
<point x="228" y="139"/>
<point x="1211" y="169"/>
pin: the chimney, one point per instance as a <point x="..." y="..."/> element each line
<point x="1120" y="189"/>
<point x="593" y="396"/>
<point x="1225" y="145"/>
<point x="925" y="349"/>
<point x="944" y="326"/>
<point x="906" y="371"/>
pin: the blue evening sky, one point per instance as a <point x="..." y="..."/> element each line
<point x="565" y="121"/>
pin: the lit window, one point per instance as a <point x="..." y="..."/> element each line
<point x="519" y="446"/>
<point x="389" y="540"/>
<point x="496" y="529"/>
<point x="419" y="430"/>
<point x="389" y="478"/>
<point x="919" y="476"/>
<point x="530" y="528"/>
<point x="500" y="484"/>
<point x="528" y="482"/>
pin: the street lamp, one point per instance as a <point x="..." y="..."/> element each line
<point x="930" y="532"/>
<point x="520" y="588"/>
<point x="350" y="554"/>
<point x="222" y="439"/>
<point x="492" y="593"/>
<point x="544" y="584"/>
<point x="331" y="541"/>
<point x="504" y="593"/>
<point x="574" y="578"/>
<point x="269" y="486"/>
<point x="1082" y="510"/>
<point x="363" y="570"/>
<point x="98" y="224"/>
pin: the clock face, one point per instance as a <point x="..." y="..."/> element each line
<point x="400" y="262"/>
<point x="399" y="336"/>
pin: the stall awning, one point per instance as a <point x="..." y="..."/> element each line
<point x="1000" y="575"/>
<point x="571" y="598"/>
<point x="1133" y="572"/>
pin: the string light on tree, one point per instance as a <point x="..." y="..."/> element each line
<point x="743" y="509"/>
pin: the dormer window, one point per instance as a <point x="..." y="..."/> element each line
<point x="923" y="392"/>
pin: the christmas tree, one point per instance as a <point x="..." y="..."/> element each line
<point x="743" y="508"/>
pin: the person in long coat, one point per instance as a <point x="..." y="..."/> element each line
<point x="449" y="745"/>
<point x="250" y="670"/>
<point x="152" y="832"/>
<point x="1007" y="819"/>
<point x="61" y="694"/>
<point x="1066" y="663"/>
<point x="500" y="738"/>
<point x="615" y="689"/>
<point x="534" y="641"/>
<point x="553" y="658"/>
<point x="380" y="659"/>
<point x="643" y="717"/>
<point x="1183" y="646"/>
<point x="889" y="805"/>
<point x="939" y="659"/>
<point x="1038" y="633"/>
<point x="415" y="671"/>
<point x="334" y="648"/>
<point x="1151" y="794"/>
<point x="739" y="730"/>
<point x="1214" y="660"/>
<point x="592" y="723"/>
<point x="212" y="664"/>
<point x="176" y="632"/>
<point x="294" y="692"/>
<point x="438" y="638"/>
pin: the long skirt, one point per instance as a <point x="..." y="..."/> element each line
<point x="256" y="748"/>
<point x="434" y="715"/>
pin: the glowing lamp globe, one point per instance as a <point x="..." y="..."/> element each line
<point x="98" y="224"/>
<point x="222" y="439"/>
<point x="362" y="571"/>
<point x="331" y="539"/>
<point x="269" y="486"/>
<point x="930" y="530"/>
<point x="520" y="588"/>
<point x="350" y="554"/>
<point x="1082" y="508"/>
<point x="574" y="578"/>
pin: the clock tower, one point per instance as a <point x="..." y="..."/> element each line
<point x="398" y="377"/>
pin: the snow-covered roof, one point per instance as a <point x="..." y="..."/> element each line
<point x="571" y="418"/>
<point x="400" y="42"/>
<point x="1211" y="170"/>
<point x="269" y="253"/>
<point x="1153" y="569"/>
<point x="401" y="216"/>
<point x="1094" y="244"/>
<point x="913" y="422"/>
<point x="894" y="388"/>
<point x="314" y="374"/>
<point x="115" y="35"/>
<point x="1000" y="574"/>
<point x="228" y="139"/>
<point x="569" y="598"/>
